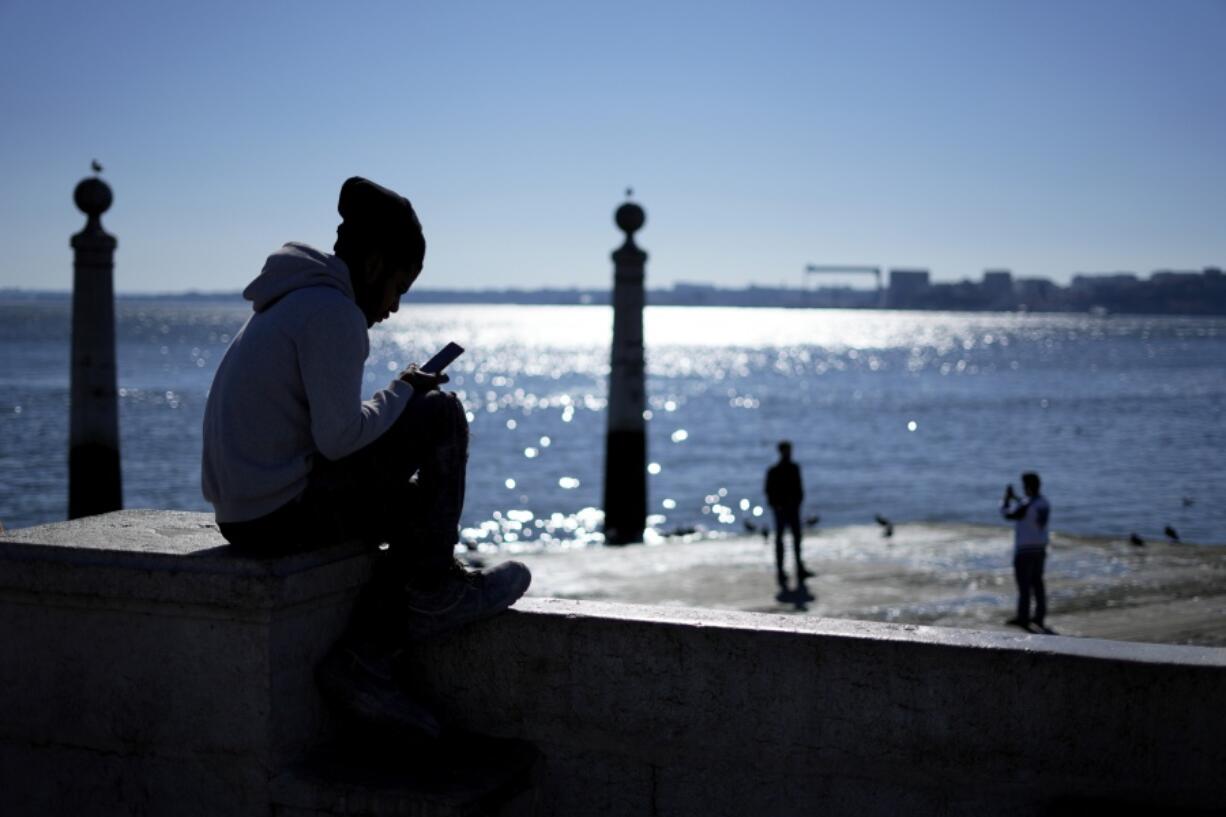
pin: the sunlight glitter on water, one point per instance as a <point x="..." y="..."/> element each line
<point x="787" y="373"/>
<point x="1089" y="402"/>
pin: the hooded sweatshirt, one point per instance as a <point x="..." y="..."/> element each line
<point x="289" y="387"/>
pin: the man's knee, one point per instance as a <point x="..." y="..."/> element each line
<point x="439" y="410"/>
<point x="434" y="400"/>
<point x="446" y="402"/>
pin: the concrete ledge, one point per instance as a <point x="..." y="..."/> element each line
<point x="146" y="669"/>
<point x="129" y="555"/>
<point x="647" y="710"/>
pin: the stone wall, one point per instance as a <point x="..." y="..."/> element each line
<point x="146" y="669"/>
<point x="650" y="710"/>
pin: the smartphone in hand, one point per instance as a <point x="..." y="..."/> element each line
<point x="443" y="359"/>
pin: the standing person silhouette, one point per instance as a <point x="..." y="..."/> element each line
<point x="784" y="493"/>
<point x="1030" y="517"/>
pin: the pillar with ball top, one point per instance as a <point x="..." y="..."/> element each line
<point x="625" y="476"/>
<point x="93" y="456"/>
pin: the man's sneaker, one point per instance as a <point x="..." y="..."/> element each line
<point x="364" y="688"/>
<point x="463" y="596"/>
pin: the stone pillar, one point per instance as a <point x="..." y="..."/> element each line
<point x="625" y="475"/>
<point x="93" y="455"/>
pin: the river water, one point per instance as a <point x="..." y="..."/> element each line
<point x="918" y="416"/>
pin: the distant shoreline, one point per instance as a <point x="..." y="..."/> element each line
<point x="586" y="297"/>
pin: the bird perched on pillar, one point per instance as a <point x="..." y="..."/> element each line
<point x="97" y="168"/>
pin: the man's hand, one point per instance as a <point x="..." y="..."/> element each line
<point x="422" y="381"/>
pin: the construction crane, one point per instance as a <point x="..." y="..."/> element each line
<point x="844" y="269"/>
<point x="841" y="269"/>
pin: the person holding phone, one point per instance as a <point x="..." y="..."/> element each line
<point x="1030" y="515"/>
<point x="295" y="458"/>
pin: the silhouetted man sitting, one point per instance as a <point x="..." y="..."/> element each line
<point x="1030" y="517"/>
<point x="295" y="459"/>
<point x="784" y="493"/>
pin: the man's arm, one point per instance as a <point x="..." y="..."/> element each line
<point x="331" y="358"/>
<point x="1009" y="511"/>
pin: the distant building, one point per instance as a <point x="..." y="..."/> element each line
<point x="1092" y="281"/>
<point x="907" y="287"/>
<point x="998" y="287"/>
<point x="1035" y="293"/>
<point x="1166" y="277"/>
<point x="693" y="294"/>
<point x="997" y="280"/>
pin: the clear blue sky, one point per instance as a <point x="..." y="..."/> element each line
<point x="1048" y="137"/>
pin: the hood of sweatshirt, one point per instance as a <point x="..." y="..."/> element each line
<point x="296" y="266"/>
